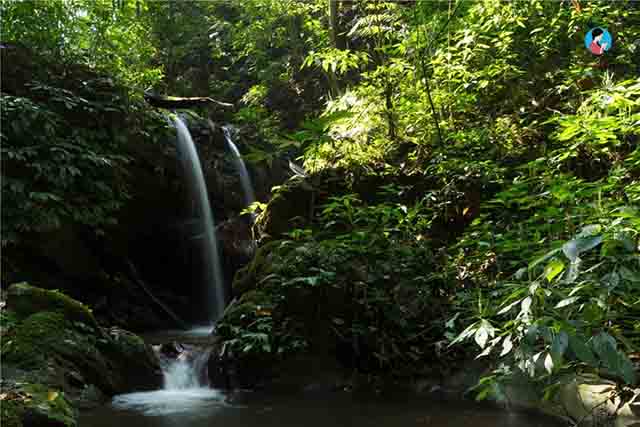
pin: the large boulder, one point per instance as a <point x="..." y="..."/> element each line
<point x="291" y="206"/>
<point x="54" y="343"/>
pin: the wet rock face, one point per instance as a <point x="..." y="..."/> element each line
<point x="56" y="344"/>
<point x="227" y="372"/>
<point x="237" y="247"/>
<point x="157" y="228"/>
<point x="136" y="367"/>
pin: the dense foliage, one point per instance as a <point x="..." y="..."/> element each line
<point x="528" y="231"/>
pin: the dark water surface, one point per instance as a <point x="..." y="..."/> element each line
<point x="206" y="407"/>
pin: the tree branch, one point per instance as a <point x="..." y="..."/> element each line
<point x="171" y="102"/>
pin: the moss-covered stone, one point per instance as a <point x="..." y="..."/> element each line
<point x="25" y="300"/>
<point x="54" y="341"/>
<point x="28" y="404"/>
<point x="115" y="363"/>
<point x="134" y="365"/>
<point x="8" y="319"/>
<point x="246" y="278"/>
<point x="11" y="412"/>
<point x="28" y="344"/>
<point x="290" y="207"/>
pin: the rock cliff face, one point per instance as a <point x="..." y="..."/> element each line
<point x="56" y="357"/>
<point x="158" y="230"/>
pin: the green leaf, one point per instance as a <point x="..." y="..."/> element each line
<point x="509" y="307"/>
<point x="470" y="330"/>
<point x="450" y="324"/>
<point x="543" y="258"/>
<point x="481" y="336"/>
<point x="559" y="346"/>
<point x="605" y="347"/>
<point x="485" y="330"/>
<point x="627" y="274"/>
<point x="581" y="350"/>
<point x="626" y="369"/>
<point x="507" y="345"/>
<point x="567" y="301"/>
<point x="548" y="363"/>
<point x="552" y="269"/>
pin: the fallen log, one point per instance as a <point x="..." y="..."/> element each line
<point x="172" y="102"/>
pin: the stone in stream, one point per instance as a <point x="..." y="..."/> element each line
<point x="171" y="350"/>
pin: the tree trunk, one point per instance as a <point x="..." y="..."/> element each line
<point x="334" y="34"/>
<point x="333" y="22"/>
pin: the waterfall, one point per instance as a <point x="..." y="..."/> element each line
<point x="186" y="387"/>
<point x="188" y="371"/>
<point x="245" y="181"/>
<point x="215" y="298"/>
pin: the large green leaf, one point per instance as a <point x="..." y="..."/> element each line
<point x="559" y="345"/>
<point x="605" y="346"/>
<point x="567" y="301"/>
<point x="581" y="350"/>
<point x="552" y="269"/>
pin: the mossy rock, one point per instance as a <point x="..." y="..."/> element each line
<point x="115" y="363"/>
<point x="8" y="320"/>
<point x="62" y="346"/>
<point x="247" y="278"/>
<point x="290" y="207"/>
<point x="30" y="343"/>
<point x="28" y="404"/>
<point x="134" y="365"/>
<point x="25" y="300"/>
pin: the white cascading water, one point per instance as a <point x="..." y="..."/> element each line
<point x="195" y="179"/>
<point x="188" y="371"/>
<point x="186" y="386"/>
<point x="185" y="389"/>
<point x="245" y="181"/>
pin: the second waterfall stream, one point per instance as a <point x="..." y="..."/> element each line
<point x="245" y="180"/>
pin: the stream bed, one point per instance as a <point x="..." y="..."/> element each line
<point x="187" y="402"/>
<point x="210" y="408"/>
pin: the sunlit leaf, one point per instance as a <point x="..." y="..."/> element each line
<point x="507" y="345"/>
<point x="552" y="269"/>
<point x="567" y="301"/>
<point x="548" y="363"/>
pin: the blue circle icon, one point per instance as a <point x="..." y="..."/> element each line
<point x="598" y="40"/>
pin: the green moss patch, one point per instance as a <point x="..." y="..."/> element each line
<point x="28" y="344"/>
<point x="25" y="300"/>
<point x="62" y="346"/>
<point x="48" y="406"/>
